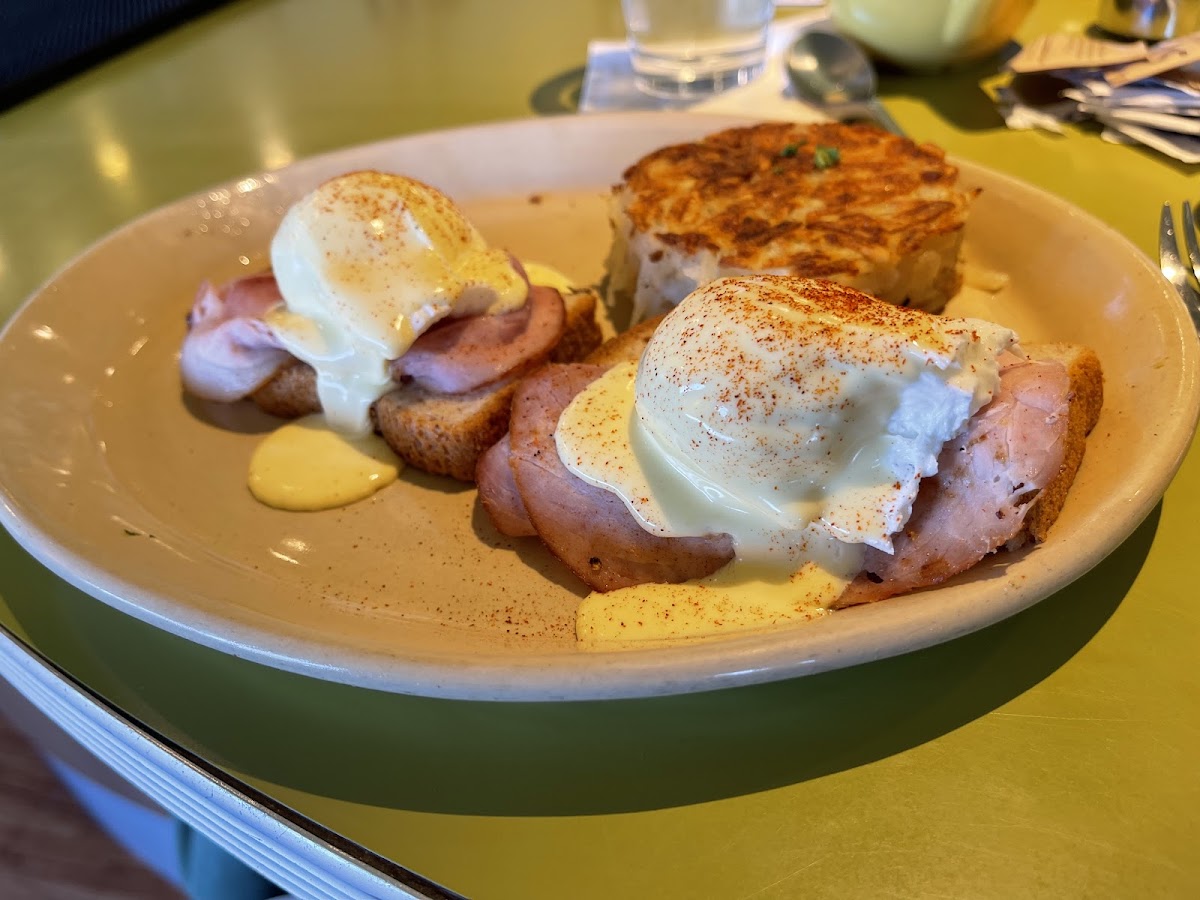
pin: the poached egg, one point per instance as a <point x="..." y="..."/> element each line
<point x="366" y="263"/>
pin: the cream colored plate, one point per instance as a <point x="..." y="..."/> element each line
<point x="137" y="494"/>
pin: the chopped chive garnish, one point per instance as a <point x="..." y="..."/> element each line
<point x="826" y="157"/>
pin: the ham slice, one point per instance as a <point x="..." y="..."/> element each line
<point x="586" y="527"/>
<point x="230" y="351"/>
<point x="986" y="479"/>
<point x="498" y="491"/>
<point x="460" y="355"/>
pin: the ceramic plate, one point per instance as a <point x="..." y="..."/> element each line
<point x="136" y="494"/>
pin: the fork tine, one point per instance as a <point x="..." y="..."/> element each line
<point x="1168" y="250"/>
<point x="1189" y="238"/>
<point x="1172" y="266"/>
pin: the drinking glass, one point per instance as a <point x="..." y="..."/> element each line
<point x="692" y="48"/>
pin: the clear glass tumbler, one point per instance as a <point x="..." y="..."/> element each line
<point x="692" y="48"/>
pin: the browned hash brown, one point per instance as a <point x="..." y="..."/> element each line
<point x="850" y="203"/>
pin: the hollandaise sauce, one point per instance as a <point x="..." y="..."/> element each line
<point x="740" y="597"/>
<point x="812" y="569"/>
<point x="305" y="465"/>
<point x="547" y="276"/>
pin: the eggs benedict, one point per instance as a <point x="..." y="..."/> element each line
<point x="386" y="310"/>
<point x="367" y="263"/>
<point x="774" y="443"/>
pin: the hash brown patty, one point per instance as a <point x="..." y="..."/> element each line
<point x="850" y="203"/>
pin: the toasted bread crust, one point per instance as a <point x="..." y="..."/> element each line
<point x="1083" y="411"/>
<point x="439" y="433"/>
<point x="626" y="346"/>
<point x="581" y="332"/>
<point x="291" y="393"/>
<point x="444" y="434"/>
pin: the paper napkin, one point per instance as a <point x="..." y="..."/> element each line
<point x="1141" y="94"/>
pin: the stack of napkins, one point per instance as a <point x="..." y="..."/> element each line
<point x="1141" y="94"/>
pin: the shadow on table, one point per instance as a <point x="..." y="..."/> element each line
<point x="960" y="100"/>
<point x="558" y="95"/>
<point x="566" y="758"/>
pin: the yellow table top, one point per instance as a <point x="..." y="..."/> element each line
<point x="1051" y="755"/>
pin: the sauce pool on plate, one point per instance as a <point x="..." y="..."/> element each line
<point x="305" y="465"/>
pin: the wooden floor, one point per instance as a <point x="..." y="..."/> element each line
<point x="49" y="848"/>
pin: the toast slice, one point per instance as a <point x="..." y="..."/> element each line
<point x="626" y="346"/>
<point x="439" y="433"/>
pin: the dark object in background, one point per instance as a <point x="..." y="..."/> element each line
<point x="1151" y="20"/>
<point x="43" y="42"/>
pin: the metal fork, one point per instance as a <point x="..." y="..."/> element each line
<point x="1171" y="263"/>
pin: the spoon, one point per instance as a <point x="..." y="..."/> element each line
<point x="832" y="72"/>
